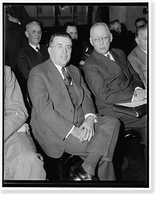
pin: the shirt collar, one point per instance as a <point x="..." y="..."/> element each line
<point x="34" y="47"/>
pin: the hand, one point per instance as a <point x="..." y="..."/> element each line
<point x="78" y="133"/>
<point x="88" y="128"/>
<point x="140" y="94"/>
<point x="13" y="19"/>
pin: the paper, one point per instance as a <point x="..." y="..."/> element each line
<point x="133" y="104"/>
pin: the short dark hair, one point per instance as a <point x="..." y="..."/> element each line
<point x="68" y="24"/>
<point x="140" y="19"/>
<point x="62" y="33"/>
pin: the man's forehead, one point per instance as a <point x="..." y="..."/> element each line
<point x="71" y="28"/>
<point x="61" y="40"/>
<point x="34" y="27"/>
<point x="100" y="28"/>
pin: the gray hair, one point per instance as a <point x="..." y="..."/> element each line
<point x="32" y="23"/>
<point x="98" y="24"/>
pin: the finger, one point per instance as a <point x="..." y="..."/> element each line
<point x="90" y="136"/>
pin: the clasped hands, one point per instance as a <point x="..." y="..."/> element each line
<point x="139" y="94"/>
<point x="85" y="131"/>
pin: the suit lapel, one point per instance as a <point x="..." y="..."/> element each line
<point x="141" y="54"/>
<point x="121" y="63"/>
<point x="55" y="76"/>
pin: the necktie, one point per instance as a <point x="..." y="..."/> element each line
<point x="67" y="77"/>
<point x="110" y="56"/>
<point x="38" y="49"/>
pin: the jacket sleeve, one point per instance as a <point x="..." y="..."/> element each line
<point x="23" y="64"/>
<point x="87" y="104"/>
<point x="15" y="113"/>
<point x="137" y="82"/>
<point x="100" y="87"/>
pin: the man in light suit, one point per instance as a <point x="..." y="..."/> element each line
<point x="63" y="116"/>
<point x="138" y="56"/>
<point x="112" y="79"/>
<point x="21" y="161"/>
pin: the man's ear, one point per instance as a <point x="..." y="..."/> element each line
<point x="49" y="50"/>
<point x="90" y="39"/>
<point x="137" y="40"/>
<point x="27" y="34"/>
<point x="111" y="37"/>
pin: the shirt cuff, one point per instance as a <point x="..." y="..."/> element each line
<point x="134" y="95"/>
<point x="87" y="115"/>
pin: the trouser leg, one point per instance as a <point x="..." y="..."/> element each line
<point x="103" y="142"/>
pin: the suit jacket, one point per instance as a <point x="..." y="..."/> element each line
<point x="110" y="82"/>
<point x="29" y="58"/>
<point x="15" y="113"/>
<point x="53" y="112"/>
<point x="138" y="60"/>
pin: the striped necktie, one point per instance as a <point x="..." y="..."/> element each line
<point x="67" y="77"/>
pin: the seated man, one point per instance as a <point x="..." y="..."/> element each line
<point x="112" y="79"/>
<point x="138" y="56"/>
<point x="63" y="115"/>
<point x="21" y="162"/>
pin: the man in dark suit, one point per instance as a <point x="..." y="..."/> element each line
<point x="32" y="54"/>
<point x="112" y="80"/>
<point x="63" y="116"/>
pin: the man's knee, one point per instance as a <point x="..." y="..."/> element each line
<point x="111" y="121"/>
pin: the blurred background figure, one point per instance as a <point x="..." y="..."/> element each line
<point x="122" y="38"/>
<point x="115" y="28"/>
<point x="21" y="161"/>
<point x="80" y="49"/>
<point x="15" y="18"/>
<point x="138" y="56"/>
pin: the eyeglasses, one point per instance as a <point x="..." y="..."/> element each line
<point x="104" y="39"/>
<point x="61" y="47"/>
<point x="37" y="32"/>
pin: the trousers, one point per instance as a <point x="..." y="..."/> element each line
<point x="103" y="143"/>
<point x="21" y="161"/>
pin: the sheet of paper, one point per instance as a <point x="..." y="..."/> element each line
<point x="133" y="104"/>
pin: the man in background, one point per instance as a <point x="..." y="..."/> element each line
<point x="138" y="56"/>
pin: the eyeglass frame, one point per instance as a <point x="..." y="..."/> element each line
<point x="104" y="39"/>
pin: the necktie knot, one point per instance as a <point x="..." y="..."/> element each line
<point x="38" y="50"/>
<point x="67" y="77"/>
